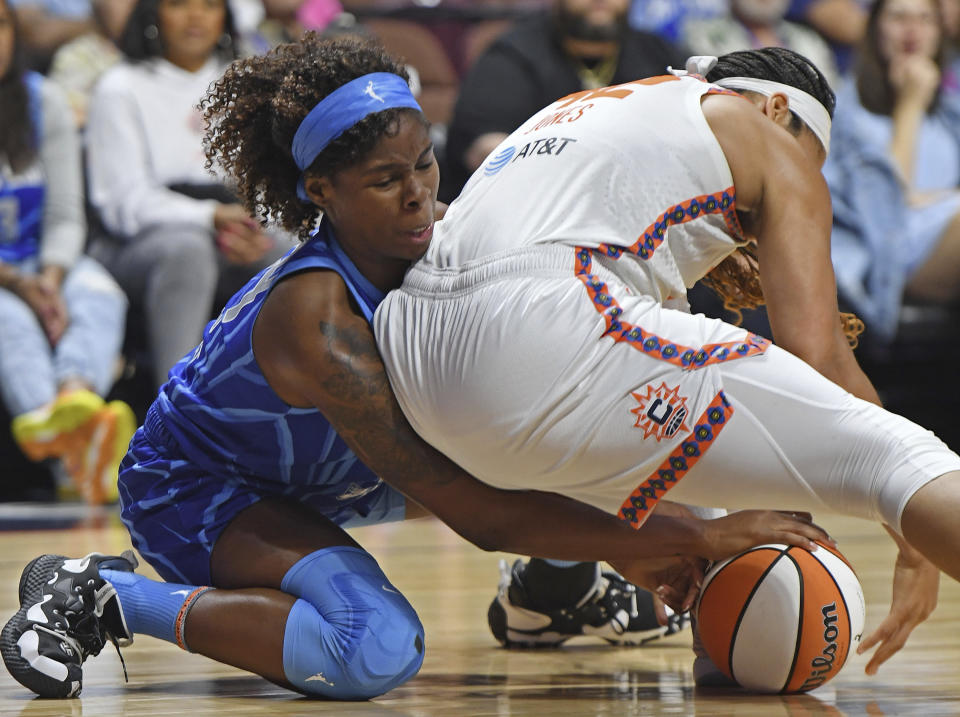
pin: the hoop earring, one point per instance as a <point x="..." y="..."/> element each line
<point x="225" y="41"/>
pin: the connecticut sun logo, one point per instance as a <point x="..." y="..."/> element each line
<point x="661" y="412"/>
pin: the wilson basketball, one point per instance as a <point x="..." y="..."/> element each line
<point x="778" y="618"/>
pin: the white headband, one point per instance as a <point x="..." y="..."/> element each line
<point x="807" y="107"/>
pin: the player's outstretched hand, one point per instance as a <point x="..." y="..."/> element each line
<point x="744" y="529"/>
<point x="916" y="582"/>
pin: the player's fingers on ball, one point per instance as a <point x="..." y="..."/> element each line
<point x="799" y="539"/>
<point x="697" y="572"/>
<point x="691" y="598"/>
<point x="667" y="595"/>
<point x="813" y="531"/>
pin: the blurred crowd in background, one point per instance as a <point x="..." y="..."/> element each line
<point x="117" y="244"/>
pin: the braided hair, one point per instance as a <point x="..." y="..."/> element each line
<point x="777" y="64"/>
<point x="737" y="278"/>
<point x="254" y="110"/>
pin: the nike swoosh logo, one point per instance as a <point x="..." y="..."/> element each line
<point x="181" y="592"/>
<point x="390" y="590"/>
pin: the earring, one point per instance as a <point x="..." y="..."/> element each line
<point x="151" y="32"/>
<point x="225" y="41"/>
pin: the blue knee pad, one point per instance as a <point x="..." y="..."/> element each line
<point x="351" y="635"/>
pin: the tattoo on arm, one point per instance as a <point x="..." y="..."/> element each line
<point x="363" y="409"/>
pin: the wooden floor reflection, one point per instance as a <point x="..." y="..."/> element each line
<point x="465" y="673"/>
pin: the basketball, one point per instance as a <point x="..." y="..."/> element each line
<point x="778" y="618"/>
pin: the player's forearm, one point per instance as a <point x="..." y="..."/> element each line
<point x="552" y="526"/>
<point x="840" y="365"/>
<point x="525" y="522"/>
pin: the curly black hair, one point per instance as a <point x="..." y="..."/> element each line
<point x="18" y="136"/>
<point x="254" y="110"/>
<point x="737" y="278"/>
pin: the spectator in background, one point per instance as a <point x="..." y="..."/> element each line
<point x="61" y="315"/>
<point x="840" y="22"/>
<point x="950" y="15"/>
<point x="575" y="45"/>
<point x="751" y="24"/>
<point x="172" y="232"/>
<point x="667" y="18"/>
<point x="287" y="20"/>
<point x="48" y="24"/>
<point x="77" y="65"/>
<point x="894" y="171"/>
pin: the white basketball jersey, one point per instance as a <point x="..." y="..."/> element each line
<point x="634" y="167"/>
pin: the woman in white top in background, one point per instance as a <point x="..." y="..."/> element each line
<point x="173" y="232"/>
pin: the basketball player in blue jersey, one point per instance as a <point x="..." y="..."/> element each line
<point x="276" y="431"/>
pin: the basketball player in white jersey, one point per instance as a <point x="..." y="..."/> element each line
<point x="544" y="340"/>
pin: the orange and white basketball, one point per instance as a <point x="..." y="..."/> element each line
<point x="778" y="618"/>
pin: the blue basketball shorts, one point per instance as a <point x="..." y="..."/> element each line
<point x="175" y="511"/>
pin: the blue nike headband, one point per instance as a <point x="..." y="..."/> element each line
<point x="341" y="110"/>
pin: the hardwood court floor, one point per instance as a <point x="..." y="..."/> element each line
<point x="451" y="583"/>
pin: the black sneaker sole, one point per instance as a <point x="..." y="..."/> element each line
<point x="21" y="670"/>
<point x="34" y="577"/>
<point x="497" y="620"/>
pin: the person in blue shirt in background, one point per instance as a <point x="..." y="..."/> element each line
<point x="61" y="315"/>
<point x="895" y="174"/>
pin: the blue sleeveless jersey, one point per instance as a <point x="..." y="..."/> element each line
<point x="226" y="420"/>
<point x="22" y="196"/>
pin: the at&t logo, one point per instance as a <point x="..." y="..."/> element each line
<point x="500" y="161"/>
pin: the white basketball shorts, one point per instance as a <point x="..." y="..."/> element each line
<point x="538" y="369"/>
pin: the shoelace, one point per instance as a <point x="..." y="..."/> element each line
<point x="84" y="629"/>
<point x="89" y="635"/>
<point x="123" y="663"/>
<point x="91" y="638"/>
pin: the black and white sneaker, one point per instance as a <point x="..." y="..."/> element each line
<point x="67" y="613"/>
<point x="612" y="609"/>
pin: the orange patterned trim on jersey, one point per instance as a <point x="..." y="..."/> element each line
<point x="635" y="508"/>
<point x="655" y="346"/>
<point x="723" y="202"/>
